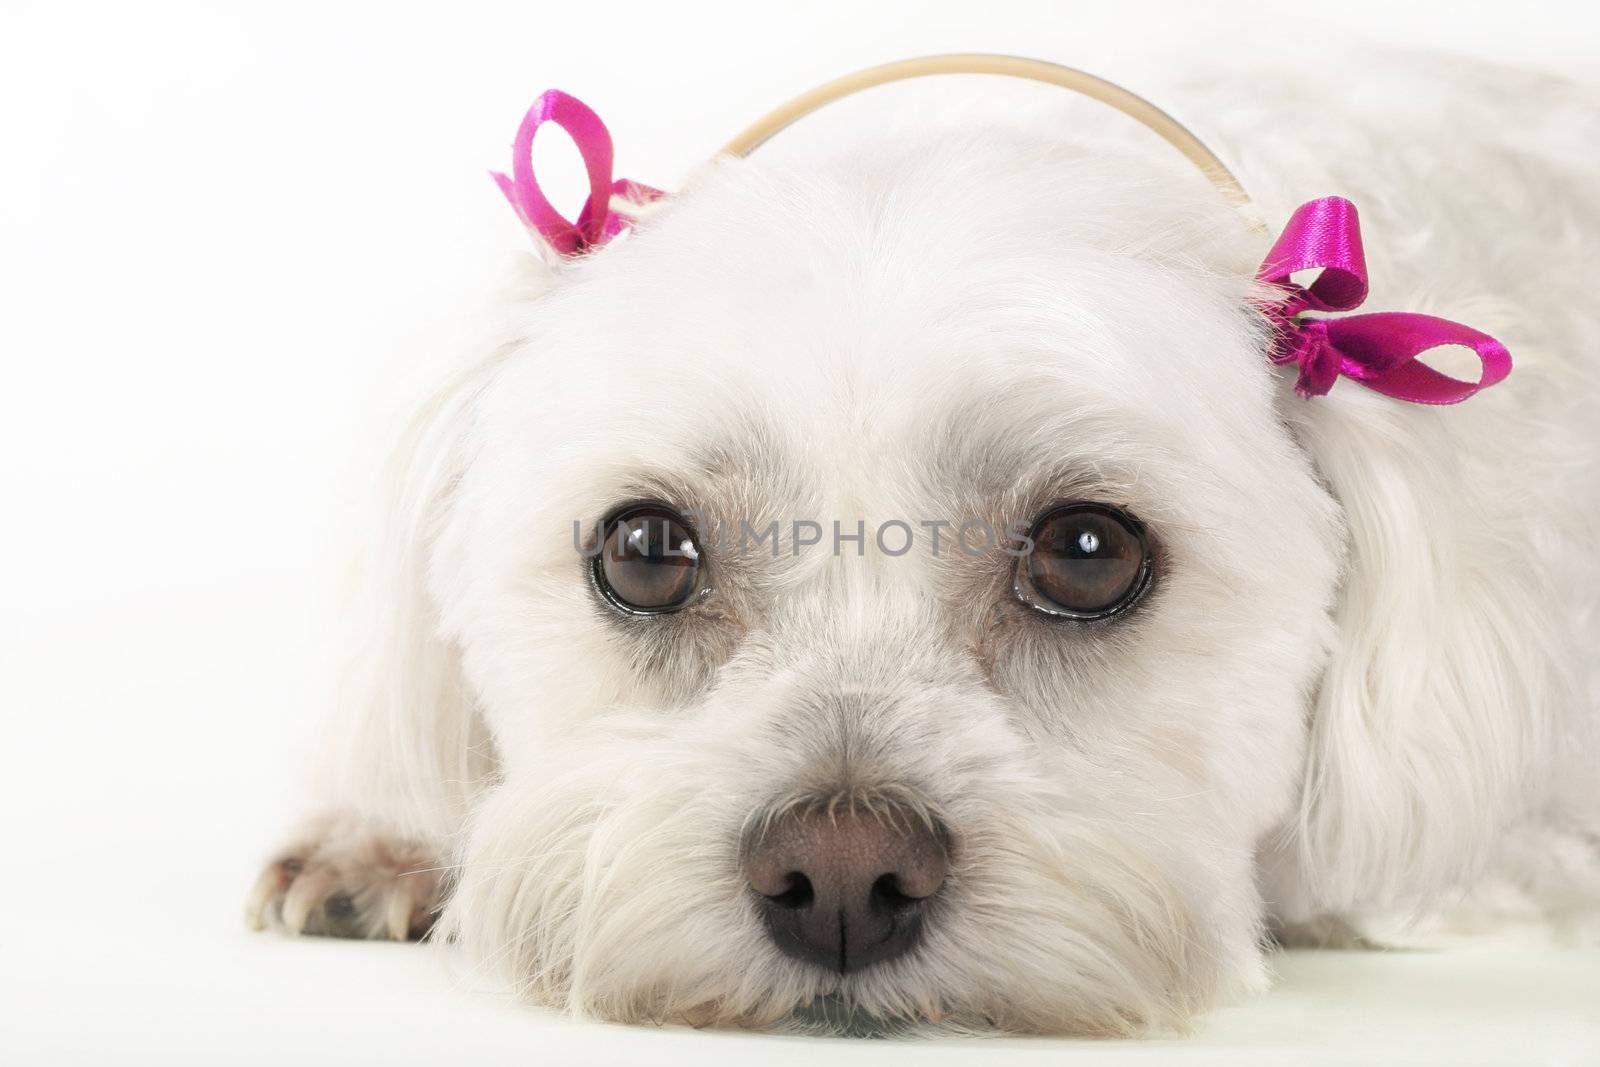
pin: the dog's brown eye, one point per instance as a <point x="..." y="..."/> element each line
<point x="650" y="562"/>
<point x="1088" y="561"/>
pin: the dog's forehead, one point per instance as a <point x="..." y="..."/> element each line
<point x="888" y="307"/>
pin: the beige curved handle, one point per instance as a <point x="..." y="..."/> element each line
<point x="1136" y="107"/>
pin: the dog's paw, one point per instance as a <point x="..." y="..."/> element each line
<point x="341" y="878"/>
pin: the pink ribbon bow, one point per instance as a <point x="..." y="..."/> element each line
<point x="597" y="222"/>
<point x="1379" y="349"/>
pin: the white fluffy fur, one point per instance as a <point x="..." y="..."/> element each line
<point x="1363" y="685"/>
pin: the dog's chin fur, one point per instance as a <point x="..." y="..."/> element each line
<point x="1360" y="669"/>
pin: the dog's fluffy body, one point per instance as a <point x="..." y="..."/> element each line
<point x="1363" y="683"/>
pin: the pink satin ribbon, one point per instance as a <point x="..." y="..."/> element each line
<point x="1379" y="349"/>
<point x="597" y="223"/>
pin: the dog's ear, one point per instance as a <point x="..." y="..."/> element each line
<point x="409" y="745"/>
<point x="1436" y="701"/>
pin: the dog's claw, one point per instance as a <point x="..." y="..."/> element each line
<point x="274" y="881"/>
<point x="400" y="912"/>
<point x="308" y="891"/>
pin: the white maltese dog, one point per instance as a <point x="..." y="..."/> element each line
<point x="899" y="587"/>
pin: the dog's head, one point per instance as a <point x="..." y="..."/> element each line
<point x="895" y="586"/>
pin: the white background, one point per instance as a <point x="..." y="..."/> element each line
<point x="234" y="239"/>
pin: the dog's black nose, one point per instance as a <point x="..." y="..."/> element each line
<point x="846" y="886"/>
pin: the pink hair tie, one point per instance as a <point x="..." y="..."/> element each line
<point x="1379" y="349"/>
<point x="597" y="222"/>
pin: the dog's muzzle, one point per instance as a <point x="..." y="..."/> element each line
<point x="843" y="887"/>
